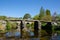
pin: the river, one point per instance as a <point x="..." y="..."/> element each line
<point x="17" y="34"/>
<point x="56" y="37"/>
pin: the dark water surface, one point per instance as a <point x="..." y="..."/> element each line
<point x="18" y="34"/>
<point x="56" y="37"/>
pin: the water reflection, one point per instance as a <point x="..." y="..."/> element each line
<point x="17" y="34"/>
<point x="10" y="34"/>
<point x="56" y="37"/>
<point x="31" y="33"/>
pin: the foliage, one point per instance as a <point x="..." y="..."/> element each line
<point x="42" y="13"/>
<point x="43" y="33"/>
<point x="58" y="17"/>
<point x="3" y="17"/>
<point x="32" y="25"/>
<point x="8" y="26"/>
<point x="26" y="16"/>
<point x="58" y="32"/>
<point x="28" y="26"/>
<point x="47" y="17"/>
<point x="13" y="25"/>
<point x="36" y="17"/>
<point x="43" y="24"/>
<point x="20" y="18"/>
<point x="48" y="12"/>
<point x="53" y="27"/>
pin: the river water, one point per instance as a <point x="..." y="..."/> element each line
<point x="18" y="34"/>
<point x="56" y="37"/>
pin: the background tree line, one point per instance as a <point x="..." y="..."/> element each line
<point x="43" y="15"/>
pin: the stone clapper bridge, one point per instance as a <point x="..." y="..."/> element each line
<point x="37" y="26"/>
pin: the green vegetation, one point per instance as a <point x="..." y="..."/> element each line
<point x="27" y="16"/>
<point x="3" y="17"/>
<point x="28" y="26"/>
<point x="42" y="13"/>
<point x="8" y="26"/>
<point x="47" y="17"/>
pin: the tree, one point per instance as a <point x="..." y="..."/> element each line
<point x="42" y="13"/>
<point x="36" y="17"/>
<point x="48" y="12"/>
<point x="26" y="16"/>
<point x="3" y="17"/>
<point x="47" y="17"/>
<point x="20" y="18"/>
